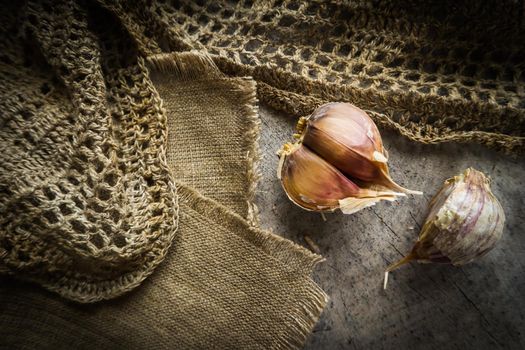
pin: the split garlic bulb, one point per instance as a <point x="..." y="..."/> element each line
<point x="338" y="162"/>
<point x="465" y="221"/>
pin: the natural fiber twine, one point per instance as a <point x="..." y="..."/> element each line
<point x="224" y="285"/>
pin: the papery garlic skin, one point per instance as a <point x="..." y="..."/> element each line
<point x="337" y="162"/>
<point x="345" y="136"/>
<point x="465" y="221"/>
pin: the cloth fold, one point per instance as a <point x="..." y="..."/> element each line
<point x="97" y="137"/>
<point x="213" y="128"/>
<point x="87" y="203"/>
<point x="224" y="285"/>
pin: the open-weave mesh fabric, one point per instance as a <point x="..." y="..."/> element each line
<point x="433" y="70"/>
<point x="87" y="203"/>
<point x="223" y="285"/>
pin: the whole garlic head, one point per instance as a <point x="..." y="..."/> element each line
<point x="466" y="220"/>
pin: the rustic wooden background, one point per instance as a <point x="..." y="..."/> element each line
<point x="478" y="306"/>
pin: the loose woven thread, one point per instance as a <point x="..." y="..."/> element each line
<point x="196" y="68"/>
<point x="222" y="276"/>
<point x="88" y="202"/>
<point x="438" y="74"/>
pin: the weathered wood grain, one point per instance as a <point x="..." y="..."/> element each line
<point x="478" y="306"/>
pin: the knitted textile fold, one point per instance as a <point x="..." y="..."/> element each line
<point x="435" y="71"/>
<point x="114" y="162"/>
<point x="224" y="285"/>
<point x="87" y="203"/>
<point x="128" y="132"/>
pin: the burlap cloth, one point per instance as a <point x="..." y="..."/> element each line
<point x="123" y="157"/>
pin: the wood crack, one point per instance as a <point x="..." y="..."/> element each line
<point x="482" y="315"/>
<point x="415" y="221"/>
<point x="385" y="223"/>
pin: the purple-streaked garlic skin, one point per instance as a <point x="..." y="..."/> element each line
<point x="465" y="220"/>
<point x="347" y="138"/>
<point x="314" y="184"/>
<point x="428" y="253"/>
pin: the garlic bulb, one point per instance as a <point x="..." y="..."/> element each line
<point x="465" y="221"/>
<point x="338" y="162"/>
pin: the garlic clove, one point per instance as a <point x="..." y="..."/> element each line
<point x="465" y="221"/>
<point x="343" y="124"/>
<point x="473" y="213"/>
<point x="314" y="184"/>
<point x="347" y="138"/>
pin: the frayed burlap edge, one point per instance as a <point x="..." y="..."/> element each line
<point x="292" y="256"/>
<point x="194" y="65"/>
<point x="289" y="253"/>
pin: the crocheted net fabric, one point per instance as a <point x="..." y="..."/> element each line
<point x="94" y="133"/>
<point x="87" y="204"/>
<point x="435" y="71"/>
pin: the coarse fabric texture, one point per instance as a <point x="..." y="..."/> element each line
<point x="87" y="204"/>
<point x="223" y="285"/>
<point x="435" y="71"/>
<point x="96" y="137"/>
<point x="213" y="128"/>
<point x="91" y="155"/>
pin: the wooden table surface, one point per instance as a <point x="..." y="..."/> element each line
<point x="426" y="306"/>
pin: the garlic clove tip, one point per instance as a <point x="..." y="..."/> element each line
<point x="352" y="205"/>
<point x="379" y="157"/>
<point x="404" y="260"/>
